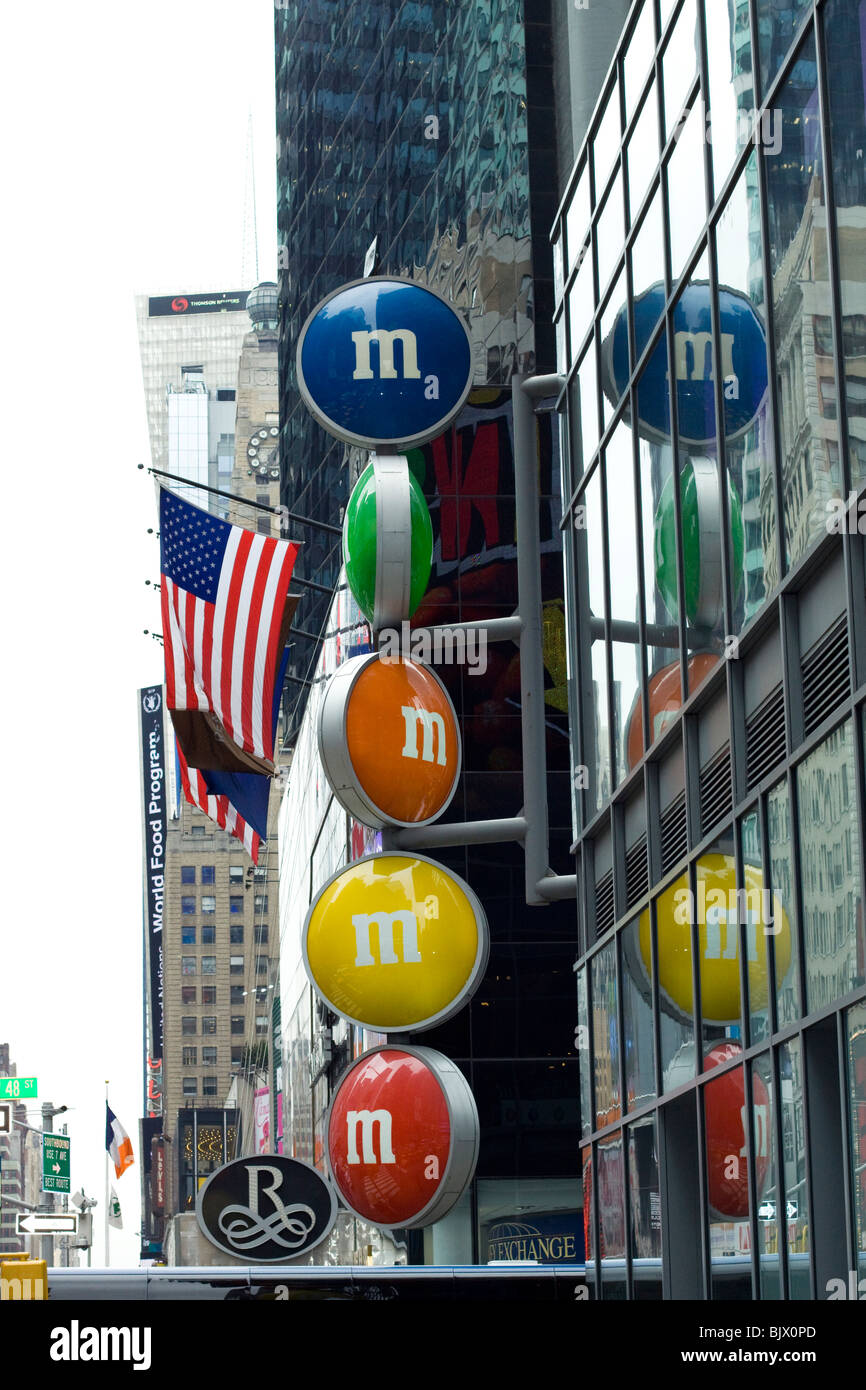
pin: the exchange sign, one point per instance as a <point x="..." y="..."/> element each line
<point x="384" y="363"/>
<point x="402" y="1136"/>
<point x="389" y="741"/>
<point x="395" y="943"/>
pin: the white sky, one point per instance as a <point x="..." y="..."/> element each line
<point x="125" y="132"/>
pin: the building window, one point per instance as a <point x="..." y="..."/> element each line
<point x="236" y="933"/>
<point x="208" y="903"/>
<point x="260" y="902"/>
<point x="208" y="873"/>
<point x="208" y="1056"/>
<point x="208" y="936"/>
<point x="236" y="993"/>
<point x="208" y="965"/>
<point x="187" y="965"/>
<point x="208" y="1024"/>
<point x="261" y="965"/>
<point x="187" y="906"/>
<point x="237" y="1055"/>
<point x="236" y="965"/>
<point x="261" y="994"/>
<point x="261" y="933"/>
<point x="236" y="905"/>
<point x="209" y="1086"/>
<point x="236" y="875"/>
<point x="197" y="830"/>
<point x="262" y="1027"/>
<point x="190" y="1085"/>
<point x="187" y="873"/>
<point x="187" y="935"/>
<point x="260" y="873"/>
<point x="208" y="994"/>
<point x="237" y="1025"/>
<point x="190" y="1056"/>
<point x="187" y="994"/>
<point x="189" y="1025"/>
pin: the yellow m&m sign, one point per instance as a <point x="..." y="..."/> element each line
<point x="395" y="942"/>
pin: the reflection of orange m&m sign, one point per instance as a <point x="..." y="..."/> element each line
<point x="389" y="741"/>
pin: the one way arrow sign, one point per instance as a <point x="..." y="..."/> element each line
<point x="51" y="1223"/>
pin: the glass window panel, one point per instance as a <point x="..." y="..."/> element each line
<point x="605" y="1037"/>
<point x="208" y="873"/>
<point x="727" y="1170"/>
<point x="643" y="151"/>
<point x="845" y="32"/>
<point x="648" y="260"/>
<point x="830" y="869"/>
<point x="187" y="965"/>
<point x="624" y="595"/>
<point x="187" y="935"/>
<point x="187" y="906"/>
<point x="638" y="57"/>
<point x="188" y="1025"/>
<point x="856" y="1034"/>
<point x="587" y="389"/>
<point x="582" y="1044"/>
<point x="577" y="217"/>
<point x="680" y="63"/>
<point x="794" y="1164"/>
<point x="606" y="142"/>
<point x="771" y="1219"/>
<point x="208" y="936"/>
<point x="755" y="569"/>
<point x="208" y="965"/>
<point x="756" y="913"/>
<point x="581" y="304"/>
<point x="558" y="269"/>
<point x="686" y="197"/>
<point x="638" y="1042"/>
<point x="614" y="343"/>
<point x="645" y="1198"/>
<point x="717" y="911"/>
<point x="610" y="233"/>
<point x="674" y="954"/>
<point x="777" y="26"/>
<point x="187" y="873"/>
<point x="781" y="840"/>
<point x="611" y="1210"/>
<point x="590" y="556"/>
<point x="732" y="96"/>
<point x="208" y="903"/>
<point x="801" y="299"/>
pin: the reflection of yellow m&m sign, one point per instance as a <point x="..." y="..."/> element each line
<point x="395" y="942"/>
<point x="389" y="741"/>
<point x="718" y="909"/>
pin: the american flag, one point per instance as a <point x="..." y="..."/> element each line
<point x="220" y="808"/>
<point x="224" y="623"/>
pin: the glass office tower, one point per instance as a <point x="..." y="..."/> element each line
<point x="420" y="138"/>
<point x="713" y="236"/>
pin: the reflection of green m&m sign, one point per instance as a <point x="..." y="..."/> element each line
<point x="387" y="541"/>
<point x="702" y="542"/>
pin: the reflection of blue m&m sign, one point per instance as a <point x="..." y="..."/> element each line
<point x="744" y="364"/>
<point x="384" y="363"/>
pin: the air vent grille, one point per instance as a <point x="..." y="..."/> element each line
<point x="604" y="910"/>
<point x="636" y="871"/>
<point x="765" y="737"/>
<point x="716" y="791"/>
<point x="674" y="833"/>
<point x="826" y="675"/>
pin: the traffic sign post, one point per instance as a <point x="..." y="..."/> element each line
<point x="55" y="1163"/>
<point x="17" y="1087"/>
<point x="5" y="1118"/>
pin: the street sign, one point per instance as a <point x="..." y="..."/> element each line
<point x="50" y="1223"/>
<point x="384" y="363"/>
<point x="5" y="1117"/>
<point x="55" y="1163"/>
<point x="395" y="942"/>
<point x="389" y="741"/>
<point x="402" y="1136"/>
<point x="17" y="1087"/>
<point x="268" y="1208"/>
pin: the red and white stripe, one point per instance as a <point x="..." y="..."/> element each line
<point x="222" y="657"/>
<point x="217" y="808"/>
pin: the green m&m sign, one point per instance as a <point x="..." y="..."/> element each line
<point x="702" y="542"/>
<point x="387" y="541"/>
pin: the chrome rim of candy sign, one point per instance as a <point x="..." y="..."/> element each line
<point x="387" y="541"/>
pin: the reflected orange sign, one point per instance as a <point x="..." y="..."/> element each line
<point x="389" y="741"/>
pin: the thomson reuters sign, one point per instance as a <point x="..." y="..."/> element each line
<point x="389" y="741"/>
<point x="402" y="1136"/>
<point x="395" y="943"/>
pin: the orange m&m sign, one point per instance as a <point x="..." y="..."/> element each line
<point x="389" y="741"/>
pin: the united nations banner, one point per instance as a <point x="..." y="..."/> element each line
<point x="154" y="822"/>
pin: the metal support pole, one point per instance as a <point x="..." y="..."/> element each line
<point x="46" y="1201"/>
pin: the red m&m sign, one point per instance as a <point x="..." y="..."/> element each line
<point x="402" y="1136"/>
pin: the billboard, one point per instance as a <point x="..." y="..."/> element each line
<point x="155" y="823"/>
<point x="210" y="302"/>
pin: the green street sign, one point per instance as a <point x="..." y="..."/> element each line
<point x="55" y="1163"/>
<point x="17" y="1087"/>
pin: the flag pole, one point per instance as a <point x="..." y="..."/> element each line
<point x="105" y="1209"/>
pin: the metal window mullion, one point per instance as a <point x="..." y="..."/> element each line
<point x="807" y="1126"/>
<point x="608" y="650"/>
<point x="751" y="1177"/>
<point x="781" y="1184"/>
<point x="742" y="941"/>
<point x="847" y="1149"/>
<point x="766" y="877"/>
<point x="703" y="1193"/>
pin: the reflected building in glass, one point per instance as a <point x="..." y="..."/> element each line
<point x="710" y="319"/>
